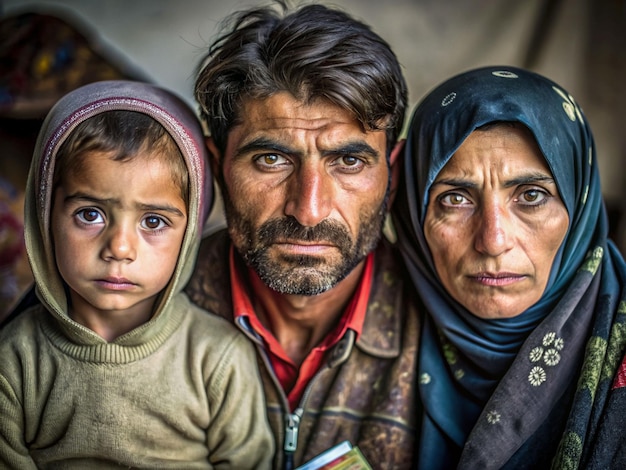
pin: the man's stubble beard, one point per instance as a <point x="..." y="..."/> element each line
<point x="302" y="274"/>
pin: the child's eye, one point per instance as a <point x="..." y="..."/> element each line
<point x="153" y="222"/>
<point x="90" y="216"/>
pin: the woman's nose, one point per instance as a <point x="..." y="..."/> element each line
<point x="494" y="230"/>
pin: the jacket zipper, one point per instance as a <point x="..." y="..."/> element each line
<point x="341" y="351"/>
<point x="292" y="420"/>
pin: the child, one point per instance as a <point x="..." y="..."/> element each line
<point x="115" y="367"/>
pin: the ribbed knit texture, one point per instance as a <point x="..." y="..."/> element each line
<point x="188" y="398"/>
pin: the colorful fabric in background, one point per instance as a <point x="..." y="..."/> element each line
<point x="510" y="392"/>
<point x="12" y="269"/>
<point x="42" y="57"/>
<point x="45" y="56"/>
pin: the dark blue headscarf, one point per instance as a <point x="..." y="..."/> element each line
<point x="488" y="385"/>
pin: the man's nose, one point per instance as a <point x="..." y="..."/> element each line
<point x="310" y="194"/>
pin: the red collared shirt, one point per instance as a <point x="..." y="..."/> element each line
<point x="293" y="379"/>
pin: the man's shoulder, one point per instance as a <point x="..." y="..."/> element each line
<point x="213" y="248"/>
<point x="209" y="286"/>
<point x="391" y="310"/>
<point x="389" y="269"/>
<point x="391" y="283"/>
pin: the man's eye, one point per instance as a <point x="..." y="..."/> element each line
<point x="350" y="161"/>
<point x="270" y="160"/>
<point x="89" y="216"/>
<point x="349" y="164"/>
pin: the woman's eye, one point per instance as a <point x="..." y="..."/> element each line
<point x="453" y="199"/>
<point x="532" y="196"/>
<point x="153" y="222"/>
<point x="90" y="216"/>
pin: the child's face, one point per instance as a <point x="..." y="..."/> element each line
<point x="117" y="228"/>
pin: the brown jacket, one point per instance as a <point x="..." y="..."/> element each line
<point x="367" y="391"/>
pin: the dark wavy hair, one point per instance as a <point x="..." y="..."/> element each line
<point x="311" y="52"/>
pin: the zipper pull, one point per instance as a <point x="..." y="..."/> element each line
<point x="291" y="432"/>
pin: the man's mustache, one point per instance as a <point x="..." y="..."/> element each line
<point x="289" y="228"/>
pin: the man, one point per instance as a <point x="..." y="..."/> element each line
<point x="304" y="110"/>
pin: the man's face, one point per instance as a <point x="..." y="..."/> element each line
<point x="305" y="192"/>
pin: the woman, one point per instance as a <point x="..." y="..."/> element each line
<point x="500" y="217"/>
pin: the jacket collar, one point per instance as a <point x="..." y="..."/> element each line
<point x="381" y="335"/>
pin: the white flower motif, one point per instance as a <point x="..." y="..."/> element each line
<point x="448" y="99"/>
<point x="549" y="338"/>
<point x="559" y="343"/>
<point x="504" y="74"/>
<point x="551" y="357"/>
<point x="537" y="376"/>
<point x="569" y="105"/>
<point x="569" y="110"/>
<point x="493" y="417"/>
<point x="459" y="374"/>
<point x="536" y="354"/>
<point x="425" y="378"/>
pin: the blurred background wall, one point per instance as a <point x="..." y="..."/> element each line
<point x="577" y="43"/>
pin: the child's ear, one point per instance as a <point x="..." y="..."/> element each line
<point x="214" y="155"/>
<point x="395" y="163"/>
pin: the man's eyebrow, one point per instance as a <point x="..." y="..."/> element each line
<point x="531" y="178"/>
<point x="113" y="202"/>
<point x="349" y="148"/>
<point x="264" y="144"/>
<point x="354" y="148"/>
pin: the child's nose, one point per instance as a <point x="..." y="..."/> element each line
<point x="120" y="244"/>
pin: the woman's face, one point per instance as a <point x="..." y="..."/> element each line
<point x="495" y="222"/>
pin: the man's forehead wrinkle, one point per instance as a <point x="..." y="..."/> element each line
<point x="294" y="123"/>
<point x="281" y="123"/>
<point x="291" y="114"/>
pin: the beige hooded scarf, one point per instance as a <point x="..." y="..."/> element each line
<point x="180" y="391"/>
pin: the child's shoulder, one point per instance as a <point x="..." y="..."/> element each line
<point x="204" y="324"/>
<point x="203" y="319"/>
<point x="22" y="339"/>
<point x="24" y="326"/>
